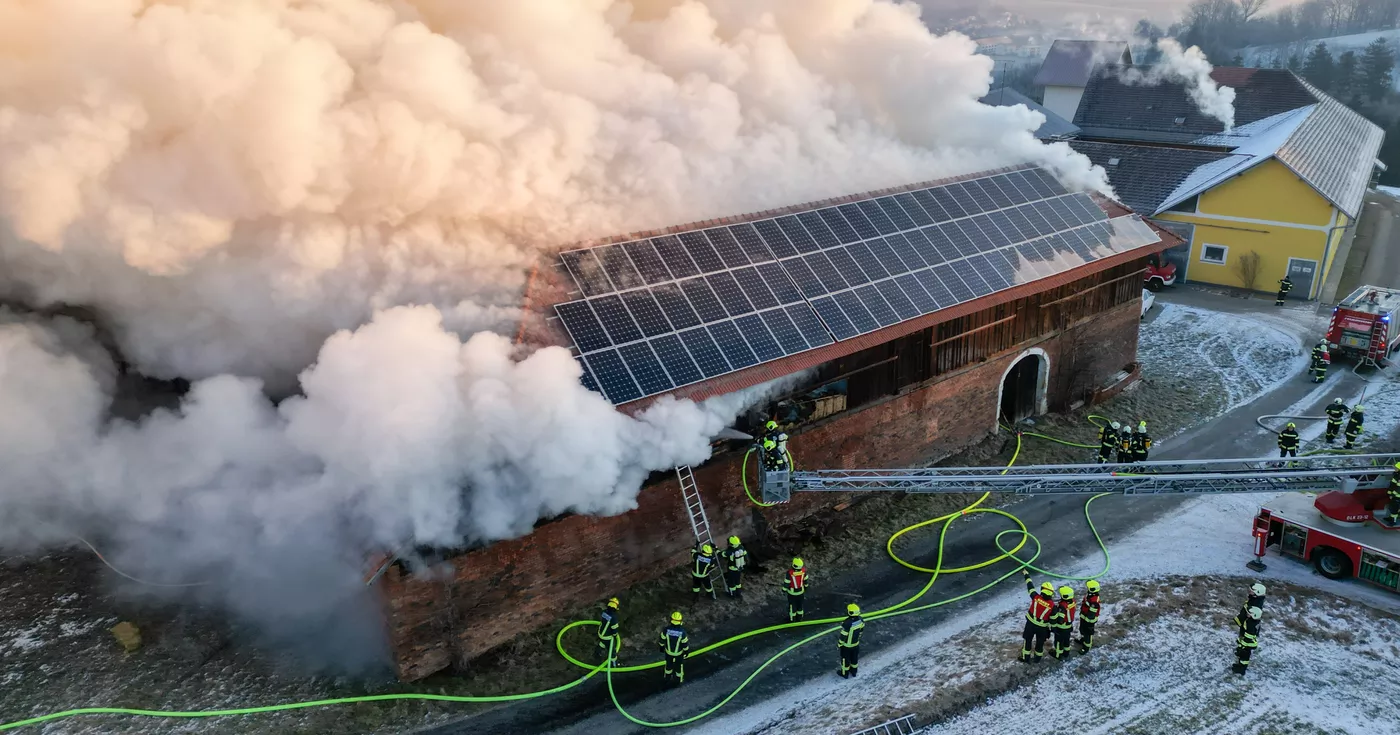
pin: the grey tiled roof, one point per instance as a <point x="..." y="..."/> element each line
<point x="1334" y="150"/>
<point x="1145" y="175"/>
<point x="1070" y="63"/>
<point x="1054" y="126"/>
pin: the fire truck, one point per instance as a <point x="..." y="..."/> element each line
<point x="1338" y="532"/>
<point x="1159" y="273"/>
<point x="1365" y="324"/>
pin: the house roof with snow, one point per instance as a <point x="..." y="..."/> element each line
<point x="1072" y="63"/>
<point x="1277" y="117"/>
<point x="1054" y="127"/>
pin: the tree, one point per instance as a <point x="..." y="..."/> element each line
<point x="1377" y="67"/>
<point x="1344" y="80"/>
<point x="1295" y="64"/>
<point x="1276" y="62"/>
<point x="1247" y="268"/>
<point x="1250" y="8"/>
<point x="1319" y="68"/>
<point x="1237" y="60"/>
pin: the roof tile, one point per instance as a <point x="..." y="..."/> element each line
<point x="1145" y="175"/>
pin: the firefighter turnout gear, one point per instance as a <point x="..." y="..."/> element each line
<point x="675" y="646"/>
<point x="848" y="642"/>
<point x="1336" y="412"/>
<point x="608" y="626"/>
<point x="1255" y="601"/>
<point x="1393" y="495"/>
<point x="1140" y="444"/>
<point x="1288" y="441"/>
<point x="1284" y="286"/>
<point x="795" y="582"/>
<point x="733" y="562"/>
<point x="774" y="447"/>
<point x="1062" y="621"/>
<point x="1353" y="430"/>
<point x="1125" y="446"/>
<point x="702" y="561"/>
<point x="1108" y="441"/>
<point x="1089" y="615"/>
<point x="1247" y="640"/>
<point x="1320" y="360"/>
<point x="1037" y="628"/>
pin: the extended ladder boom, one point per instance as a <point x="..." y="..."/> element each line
<point x="1309" y="474"/>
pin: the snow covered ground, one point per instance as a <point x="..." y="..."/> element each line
<point x="1326" y="663"/>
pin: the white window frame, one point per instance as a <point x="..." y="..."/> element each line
<point x="1224" y="256"/>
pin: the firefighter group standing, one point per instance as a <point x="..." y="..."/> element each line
<point x="1051" y="619"/>
<point x="1127" y="443"/>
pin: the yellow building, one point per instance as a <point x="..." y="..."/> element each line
<point x="1277" y="194"/>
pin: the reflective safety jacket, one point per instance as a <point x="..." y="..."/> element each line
<point x="1354" y="424"/>
<point x="1140" y="443"/>
<point x="735" y="558"/>
<point x="608" y="624"/>
<point x="1394" y="490"/>
<point x="1041" y="605"/>
<point x="1249" y="634"/>
<point x="1108" y="437"/>
<point x="851" y="628"/>
<point x="1288" y="439"/>
<point x="1335" y="413"/>
<point x="1090" y="610"/>
<point x="1243" y="614"/>
<point x="1062" y="616"/>
<point x="1285" y="285"/>
<point x="1125" y="442"/>
<point x="674" y="641"/>
<point x="796" y="581"/>
<point x="701" y="563"/>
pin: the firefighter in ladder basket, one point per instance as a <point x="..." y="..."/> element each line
<point x="1336" y="412"/>
<point x="774" y="448"/>
<point x="1284" y="286"/>
<point x="1037" y="620"/>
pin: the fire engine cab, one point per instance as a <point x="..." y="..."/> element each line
<point x="1159" y="273"/>
<point x="1337" y="531"/>
<point x="1366" y="323"/>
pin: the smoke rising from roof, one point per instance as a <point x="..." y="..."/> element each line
<point x="1189" y="68"/>
<point x="338" y="200"/>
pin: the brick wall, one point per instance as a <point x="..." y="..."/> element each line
<point x="500" y="591"/>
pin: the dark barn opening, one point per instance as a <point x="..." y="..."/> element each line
<point x="1018" y="389"/>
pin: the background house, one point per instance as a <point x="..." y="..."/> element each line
<point x="1068" y="67"/>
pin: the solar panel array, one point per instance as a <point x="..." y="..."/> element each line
<point x="665" y="312"/>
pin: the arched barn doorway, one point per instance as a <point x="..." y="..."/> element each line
<point x="1023" y="387"/>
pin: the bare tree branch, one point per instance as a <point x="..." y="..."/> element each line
<point x="1250" y="8"/>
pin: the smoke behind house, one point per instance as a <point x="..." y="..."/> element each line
<point x="339" y="201"/>
<point x="1188" y="67"/>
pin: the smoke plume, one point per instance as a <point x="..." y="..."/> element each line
<point x="337" y="201"/>
<point x="1190" y="68"/>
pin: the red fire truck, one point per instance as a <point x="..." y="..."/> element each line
<point x="1338" y="532"/>
<point x="1159" y="273"/>
<point x="1366" y="323"/>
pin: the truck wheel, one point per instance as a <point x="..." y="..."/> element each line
<point x="1154" y="285"/>
<point x="1332" y="564"/>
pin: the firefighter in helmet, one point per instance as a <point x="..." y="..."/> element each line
<point x="1247" y="640"/>
<point x="1108" y="441"/>
<point x="1037" y="628"/>
<point x="1288" y="441"/>
<point x="1125" y="445"/>
<point x="1139" y="445"/>
<point x="675" y="646"/>
<point x="609" y="641"/>
<point x="1393" y="494"/>
<point x="1354" y="422"/>
<point x="795" y="582"/>
<point x="848" y="644"/>
<point x="1321" y="358"/>
<point x="734" y="560"/>
<point x="1062" y="620"/>
<point x="702" y="562"/>
<point x="774" y="446"/>
<point x="1254" y="600"/>
<point x="1336" y="412"/>
<point x="1284" y="286"/>
<point x="1089" y="615"/>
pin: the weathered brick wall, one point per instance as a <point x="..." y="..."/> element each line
<point x="513" y="586"/>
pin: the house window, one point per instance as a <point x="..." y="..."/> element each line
<point x="1214" y="253"/>
<point x="1185" y="205"/>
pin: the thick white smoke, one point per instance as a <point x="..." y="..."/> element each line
<point x="245" y="188"/>
<point x="1189" y="68"/>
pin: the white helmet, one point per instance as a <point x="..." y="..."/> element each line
<point x="1256" y="589"/>
<point x="1337" y="401"/>
<point x="1256" y="613"/>
<point x="1116" y="425"/>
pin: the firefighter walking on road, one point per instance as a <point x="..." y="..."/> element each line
<point x="702" y="562"/>
<point x="1284" y="286"/>
<point x="1108" y="441"/>
<point x="1336" y="412"/>
<point x="1288" y="441"/>
<point x="795" y="582"/>
<point x="1037" y="628"/>
<point x="1247" y="640"/>
<point x="734" y="560"/>
<point x="849" y="641"/>
<point x="1089" y="615"/>
<point x="675" y="646"/>
<point x="609" y="641"/>
<point x="1353" y="430"/>
<point x="1062" y="621"/>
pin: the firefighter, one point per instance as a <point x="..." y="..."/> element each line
<point x="849" y="641"/>
<point x="1089" y="615"/>
<point x="1335" y="413"/>
<point x="1319" y="350"/>
<point x="1393" y="493"/>
<point x="1037" y="628"/>
<point x="735" y="559"/>
<point x="608" y="625"/>
<point x="1140" y="444"/>
<point x="1125" y="445"/>
<point x="675" y="645"/>
<point x="1288" y="441"/>
<point x="1062" y="620"/>
<point x="1284" y="286"/>
<point x="795" y="582"/>
<point x="1319" y="364"/>
<point x="774" y="445"/>
<point x="1247" y="640"/>
<point x="1353" y="430"/>
<point x="702" y="561"/>
<point x="1108" y="441"/>
<point x="1254" y="600"/>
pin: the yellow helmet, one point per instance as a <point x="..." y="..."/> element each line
<point x="1046" y="588"/>
<point x="676" y="618"/>
<point x="853" y="609"/>
<point x="1292" y="425"/>
<point x="1397" y="465"/>
<point x="771" y="425"/>
<point x="1067" y="592"/>
<point x="613" y="603"/>
<point x="796" y="562"/>
<point x="733" y="540"/>
<point x="707" y="549"/>
<point x="1358" y="408"/>
<point x="1092" y="585"/>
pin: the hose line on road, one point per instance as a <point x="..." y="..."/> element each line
<point x="901" y="608"/>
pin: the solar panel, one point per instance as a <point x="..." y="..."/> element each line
<point x="646" y="369"/>
<point x="702" y="252"/>
<point x="866" y="261"/>
<point x="969" y="275"/>
<point x="807" y="323"/>
<point x="772" y="234"/>
<point x="648" y="263"/>
<point x="753" y="287"/>
<point x="943" y="250"/>
<point x="778" y="281"/>
<point x="587" y="377"/>
<point x="675" y="305"/>
<point x="855" y="311"/>
<point x="956" y="287"/>
<point x="899" y="219"/>
<point x="727" y="247"/>
<point x="904" y="249"/>
<point x="936" y="289"/>
<point x="760" y="339"/>
<point x="675" y="257"/>
<point x="729" y="293"/>
<point x="703" y="299"/>
<point x="612" y="376"/>
<point x="706" y="353"/>
<point x="830" y="265"/>
<point x="916" y="211"/>
<point x="1009" y="192"/>
<point x="879" y="308"/>
<point x="965" y="199"/>
<point x="619" y="267"/>
<point x="834" y="318"/>
<point x="964" y="237"/>
<point x="885" y="254"/>
<point x="1054" y="211"/>
<point x="585" y="329"/>
<point x="787" y="334"/>
<point x="646" y="313"/>
<point x="882" y="222"/>
<point x="801" y="274"/>
<point x="816" y="226"/>
<point x="732" y="344"/>
<point x="859" y="221"/>
<point x="992" y="275"/>
<point x="750" y="243"/>
<point x="676" y="359"/>
<point x="616" y="321"/>
<point x="897" y="300"/>
<point x="909" y="283"/>
<point x="843" y="230"/>
<point x="801" y="238"/>
<point x="587" y="272"/>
